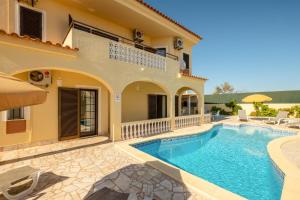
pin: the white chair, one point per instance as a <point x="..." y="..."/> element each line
<point x="279" y="118"/>
<point x="15" y="176"/>
<point x="216" y="116"/>
<point x="242" y="115"/>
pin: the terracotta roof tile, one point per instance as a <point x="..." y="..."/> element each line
<point x="168" y="18"/>
<point x="193" y="76"/>
<point x="26" y="37"/>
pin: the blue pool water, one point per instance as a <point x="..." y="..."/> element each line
<point x="234" y="158"/>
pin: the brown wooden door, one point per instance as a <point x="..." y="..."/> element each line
<point x="68" y="113"/>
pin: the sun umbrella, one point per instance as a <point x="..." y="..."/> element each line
<point x="16" y="93"/>
<point x="257" y="98"/>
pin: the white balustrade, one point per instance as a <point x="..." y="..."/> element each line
<point x="207" y="118"/>
<point x="126" y="53"/>
<point x="188" y="120"/>
<point x="145" y="128"/>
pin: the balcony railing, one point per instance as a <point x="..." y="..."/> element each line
<point x="128" y="54"/>
<point x="116" y="38"/>
<point x="186" y="121"/>
<point x="145" y="128"/>
<point x="207" y="118"/>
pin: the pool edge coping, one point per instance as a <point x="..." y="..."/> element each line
<point x="289" y="190"/>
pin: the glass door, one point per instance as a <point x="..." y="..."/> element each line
<point x="88" y="112"/>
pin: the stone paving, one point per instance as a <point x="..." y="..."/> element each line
<point x="292" y="151"/>
<point x="72" y="174"/>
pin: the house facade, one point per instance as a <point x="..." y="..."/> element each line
<point x="116" y="68"/>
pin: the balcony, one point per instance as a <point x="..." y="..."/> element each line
<point x="123" y="49"/>
<point x="129" y="54"/>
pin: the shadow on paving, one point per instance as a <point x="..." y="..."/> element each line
<point x="140" y="181"/>
<point x="46" y="180"/>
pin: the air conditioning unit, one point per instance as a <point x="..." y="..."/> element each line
<point x="178" y="43"/>
<point x="40" y="77"/>
<point x="138" y="36"/>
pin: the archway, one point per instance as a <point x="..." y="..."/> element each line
<point x="187" y="102"/>
<point x="93" y="99"/>
<point x="143" y="100"/>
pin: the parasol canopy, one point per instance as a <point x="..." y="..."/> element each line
<point x="257" y="98"/>
<point x="16" y="93"/>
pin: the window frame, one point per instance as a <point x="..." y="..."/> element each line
<point x="17" y="17"/>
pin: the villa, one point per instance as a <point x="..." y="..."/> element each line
<point x="116" y="113"/>
<point x="111" y="68"/>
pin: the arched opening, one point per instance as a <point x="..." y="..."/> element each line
<point x="142" y="100"/>
<point x="186" y="102"/>
<point x="77" y="105"/>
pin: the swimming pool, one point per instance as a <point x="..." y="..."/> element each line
<point x="232" y="157"/>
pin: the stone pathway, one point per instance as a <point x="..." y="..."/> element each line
<point x="72" y="174"/>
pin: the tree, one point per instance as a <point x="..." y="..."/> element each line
<point x="224" y="88"/>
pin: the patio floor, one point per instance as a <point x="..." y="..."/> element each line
<point x="71" y="174"/>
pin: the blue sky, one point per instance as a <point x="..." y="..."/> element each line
<point x="252" y="44"/>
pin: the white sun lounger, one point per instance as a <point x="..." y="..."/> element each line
<point x="279" y="118"/>
<point x="242" y="115"/>
<point x="293" y="123"/>
<point x="15" y="176"/>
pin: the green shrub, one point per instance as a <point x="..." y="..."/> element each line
<point x="262" y="110"/>
<point x="215" y="109"/>
<point x="233" y="106"/>
<point x="295" y="111"/>
<point x="253" y="114"/>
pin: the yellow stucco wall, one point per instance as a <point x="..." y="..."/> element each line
<point x="135" y="100"/>
<point x="3" y="15"/>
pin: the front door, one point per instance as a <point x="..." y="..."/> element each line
<point x="88" y="112"/>
<point x="68" y="113"/>
<point x="78" y="112"/>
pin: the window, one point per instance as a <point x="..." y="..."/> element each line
<point x="161" y="51"/>
<point x="15" y="113"/>
<point x="186" y="59"/>
<point x="31" y="23"/>
<point x="157" y="106"/>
